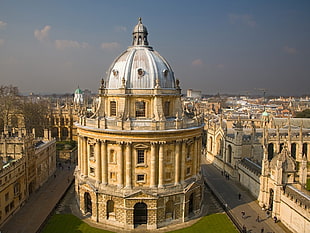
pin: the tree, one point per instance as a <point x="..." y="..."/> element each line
<point x="9" y="103"/>
<point x="304" y="114"/>
<point x="35" y="115"/>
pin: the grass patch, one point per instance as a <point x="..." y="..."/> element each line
<point x="68" y="223"/>
<point x="219" y="223"/>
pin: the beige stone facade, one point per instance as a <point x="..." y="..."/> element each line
<point x="25" y="165"/>
<point x="139" y="154"/>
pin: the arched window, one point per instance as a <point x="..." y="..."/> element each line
<point x="112" y="108"/>
<point x="191" y="204"/>
<point x="270" y="151"/>
<point x="281" y="147"/>
<point x="210" y="143"/>
<point x="110" y="209"/>
<point x="293" y="150"/>
<point x="169" y="209"/>
<point x="167" y="108"/>
<point x="229" y="154"/>
<point x="140" y="109"/>
<point x="112" y="156"/>
<point x="305" y="149"/>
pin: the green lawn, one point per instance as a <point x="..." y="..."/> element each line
<point x="67" y="223"/>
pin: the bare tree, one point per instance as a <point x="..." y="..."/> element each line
<point x="9" y="103"/>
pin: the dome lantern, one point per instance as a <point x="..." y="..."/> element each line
<point x="140" y="35"/>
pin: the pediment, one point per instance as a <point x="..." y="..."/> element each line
<point x="141" y="195"/>
<point x="141" y="146"/>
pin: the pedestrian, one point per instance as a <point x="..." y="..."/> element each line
<point x="222" y="173"/>
<point x="243" y="214"/>
<point x="275" y="219"/>
<point x="54" y="175"/>
<point x="257" y="219"/>
<point x="262" y="230"/>
<point x="227" y="176"/>
<point x="244" y="229"/>
<point x="267" y="214"/>
<point x="239" y="196"/>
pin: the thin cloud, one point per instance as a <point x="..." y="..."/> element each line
<point x="289" y="50"/>
<point x="197" y="62"/>
<point x="42" y="35"/>
<point x="110" y="46"/>
<point x="2" y="24"/>
<point x="120" y="29"/>
<point x="242" y="19"/>
<point x="220" y="66"/>
<point x="1" y="42"/>
<point x="63" y="44"/>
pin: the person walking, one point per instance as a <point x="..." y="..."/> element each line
<point x="257" y="218"/>
<point x="243" y="214"/>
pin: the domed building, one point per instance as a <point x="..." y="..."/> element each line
<point x="139" y="154"/>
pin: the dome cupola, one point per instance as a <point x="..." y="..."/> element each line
<point x="140" y="35"/>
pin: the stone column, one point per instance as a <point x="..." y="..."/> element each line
<point x="153" y="165"/>
<point x="161" y="165"/>
<point x="177" y="163"/>
<point x="104" y="163"/>
<point x="128" y="165"/>
<point x="85" y="157"/>
<point x="195" y="157"/>
<point x="98" y="161"/>
<point x="79" y="164"/>
<point x="120" y="161"/>
<point x="183" y="161"/>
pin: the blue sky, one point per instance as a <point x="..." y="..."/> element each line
<point x="221" y="46"/>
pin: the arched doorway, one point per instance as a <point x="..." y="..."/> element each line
<point x="110" y="210"/>
<point x="191" y="204"/>
<point x="140" y="214"/>
<point x="87" y="203"/>
<point x="169" y="210"/>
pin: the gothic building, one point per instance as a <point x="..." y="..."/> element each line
<point x="139" y="154"/>
<point x="271" y="159"/>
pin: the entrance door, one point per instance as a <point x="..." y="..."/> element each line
<point x="140" y="214"/>
<point x="87" y="203"/>
<point x="191" y="204"/>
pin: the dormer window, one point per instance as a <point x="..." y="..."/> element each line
<point x="141" y="72"/>
<point x="165" y="72"/>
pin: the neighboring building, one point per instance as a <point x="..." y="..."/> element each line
<point x="26" y="164"/>
<point x="193" y="93"/>
<point x="271" y="161"/>
<point x="139" y="154"/>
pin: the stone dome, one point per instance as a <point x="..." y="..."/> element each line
<point x="140" y="67"/>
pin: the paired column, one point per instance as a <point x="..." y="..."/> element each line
<point x="177" y="163"/>
<point x="183" y="161"/>
<point x="120" y="162"/>
<point x="153" y="165"/>
<point x="80" y="164"/>
<point x="161" y="165"/>
<point x="195" y="157"/>
<point x="128" y="165"/>
<point x="85" y="157"/>
<point x="104" y="163"/>
<point x="98" y="161"/>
